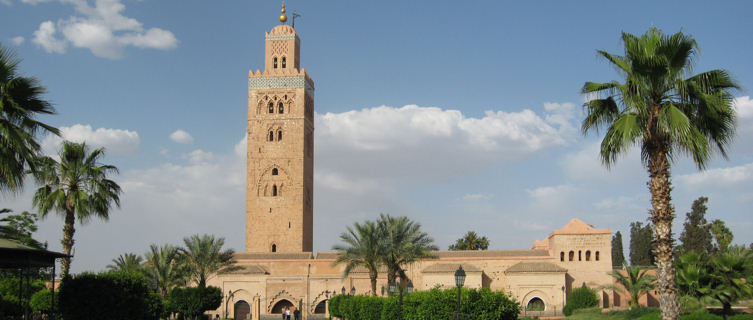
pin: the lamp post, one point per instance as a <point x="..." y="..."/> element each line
<point x="352" y="291"/>
<point x="459" y="281"/>
<point x="227" y="299"/>
<point x="343" y="291"/>
<point x="563" y="299"/>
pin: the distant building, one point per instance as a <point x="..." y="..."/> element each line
<point x="279" y="269"/>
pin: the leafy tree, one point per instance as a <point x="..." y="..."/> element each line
<point x="203" y="256"/>
<point x="696" y="236"/>
<point x="667" y="115"/>
<point x="76" y="187"/>
<point x="580" y="298"/>
<point x="722" y="235"/>
<point x="192" y="302"/>
<point x="363" y="247"/>
<point x="641" y="253"/>
<point x="19" y="227"/>
<point x="471" y="241"/>
<point x="618" y="257"/>
<point x="109" y="295"/>
<point x="635" y="282"/>
<point x="20" y="104"/>
<point x="692" y="274"/>
<point x="405" y="243"/>
<point x="163" y="268"/>
<point x="128" y="262"/>
<point x="41" y="302"/>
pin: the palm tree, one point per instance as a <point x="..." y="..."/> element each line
<point x="75" y="187"/>
<point x="363" y="248"/>
<point x="203" y="256"/>
<point x="692" y="274"/>
<point x="128" y="262"/>
<point x="635" y="281"/>
<point x="470" y="241"/>
<point x="667" y="115"/>
<point x="20" y="103"/>
<point x="164" y="269"/>
<point x="405" y="243"/>
<point x="729" y="278"/>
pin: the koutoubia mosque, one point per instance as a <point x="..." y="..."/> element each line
<point x="278" y="269"/>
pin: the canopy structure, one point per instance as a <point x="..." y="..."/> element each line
<point x="14" y="255"/>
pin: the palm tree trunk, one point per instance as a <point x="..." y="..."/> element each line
<point x="67" y="241"/>
<point x="660" y="187"/>
<point x="373" y="277"/>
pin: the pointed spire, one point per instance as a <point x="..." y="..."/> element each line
<point x="283" y="17"/>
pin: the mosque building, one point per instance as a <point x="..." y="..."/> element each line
<point x="278" y="269"/>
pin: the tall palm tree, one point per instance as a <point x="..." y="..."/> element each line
<point x="20" y="103"/>
<point x="203" y="257"/>
<point x="128" y="262"/>
<point x="635" y="282"/>
<point x="470" y="241"/>
<point x="667" y="115"/>
<point x="75" y="187"/>
<point x="405" y="243"/>
<point x="363" y="248"/>
<point x="164" y="269"/>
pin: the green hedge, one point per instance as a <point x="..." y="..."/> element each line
<point x="482" y="304"/>
<point x="194" y="301"/>
<point x="581" y="298"/>
<point x="112" y="295"/>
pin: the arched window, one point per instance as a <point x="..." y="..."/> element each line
<point x="274" y="248"/>
<point x="571" y="255"/>
<point x="588" y="255"/>
<point x="280" y="108"/>
<point x="274" y="171"/>
<point x="271" y="107"/>
<point x="596" y="256"/>
<point x="580" y="257"/>
<point x="284" y="62"/>
<point x="279" y="135"/>
<point x="271" y="136"/>
<point x="274" y="190"/>
<point x="274" y="62"/>
<point x="562" y="256"/>
<point x="536" y="304"/>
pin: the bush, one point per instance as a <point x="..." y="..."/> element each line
<point x="742" y="316"/>
<point x="690" y="304"/>
<point x="41" y="302"/>
<point x="111" y="295"/>
<point x="581" y="298"/>
<point x="194" y="301"/>
<point x="700" y="315"/>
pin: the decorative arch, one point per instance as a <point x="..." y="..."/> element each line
<point x="267" y="179"/>
<point x="274" y="247"/>
<point x="274" y="62"/>
<point x="282" y="295"/>
<point x="280" y="107"/>
<point x="320" y="308"/>
<point x="320" y="299"/>
<point x="284" y="62"/>
<point x="537" y="298"/>
<point x="241" y="310"/>
<point x="271" y="107"/>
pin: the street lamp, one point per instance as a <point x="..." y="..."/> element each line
<point x="459" y="281"/>
<point x="352" y="291"/>
<point x="392" y="288"/>
<point x="563" y="299"/>
<point x="343" y="291"/>
<point x="227" y="299"/>
<point x="410" y="287"/>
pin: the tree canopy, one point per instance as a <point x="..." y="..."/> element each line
<point x="470" y="241"/>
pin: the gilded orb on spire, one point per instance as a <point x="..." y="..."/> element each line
<point x="283" y="17"/>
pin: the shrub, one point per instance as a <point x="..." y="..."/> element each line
<point x="581" y="298"/>
<point x="690" y="304"/>
<point x="41" y="302"/>
<point x="700" y="315"/>
<point x="742" y="316"/>
<point x="111" y="295"/>
<point x="192" y="302"/>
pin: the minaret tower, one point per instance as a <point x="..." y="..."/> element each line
<point x="280" y="159"/>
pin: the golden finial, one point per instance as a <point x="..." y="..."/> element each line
<point x="283" y="17"/>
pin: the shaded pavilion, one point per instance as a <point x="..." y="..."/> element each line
<point x="16" y="256"/>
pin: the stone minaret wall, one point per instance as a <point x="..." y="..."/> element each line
<point x="280" y="158"/>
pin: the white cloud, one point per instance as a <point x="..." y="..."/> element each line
<point x="719" y="177"/>
<point x="550" y="192"/>
<point x="103" y="29"/>
<point x="200" y="156"/>
<point x="477" y="197"/>
<point x="413" y="144"/>
<point x="45" y="37"/>
<point x="620" y="203"/>
<point x="181" y="136"/>
<point x="17" y="40"/>
<point x="115" y="141"/>
<point x="744" y="107"/>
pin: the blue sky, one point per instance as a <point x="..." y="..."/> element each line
<point x="460" y="115"/>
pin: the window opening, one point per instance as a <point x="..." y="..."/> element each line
<point x="596" y="256"/>
<point x="579" y="252"/>
<point x="588" y="255"/>
<point x="536" y="304"/>
<point x="274" y="190"/>
<point x="274" y="248"/>
<point x="570" y="255"/>
<point x="274" y="63"/>
<point x="284" y="62"/>
<point x="288" y="224"/>
<point x="280" y="108"/>
<point x="271" y="107"/>
<point x="271" y="136"/>
<point x="274" y="171"/>
<point x="279" y="135"/>
<point x="562" y="256"/>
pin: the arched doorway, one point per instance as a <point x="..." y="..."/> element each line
<point x="242" y="310"/>
<point x="281" y="305"/>
<point x="535" y="304"/>
<point x="321" y="307"/>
